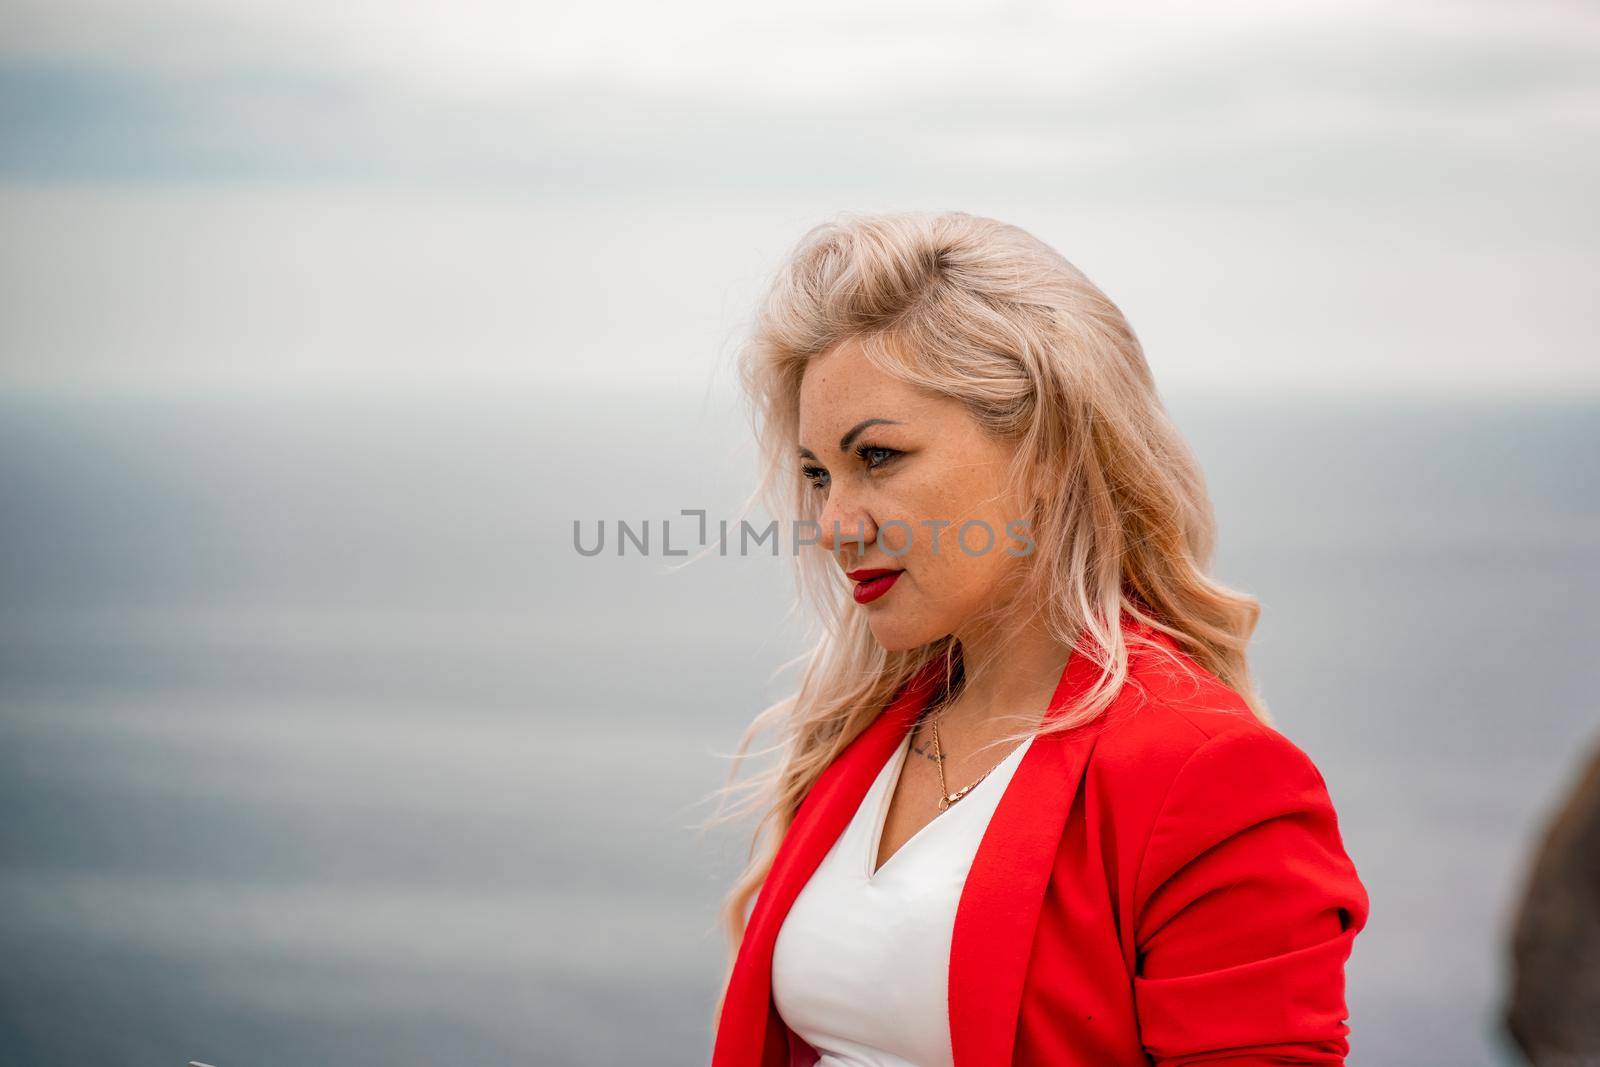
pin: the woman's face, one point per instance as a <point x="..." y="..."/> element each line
<point x="908" y="482"/>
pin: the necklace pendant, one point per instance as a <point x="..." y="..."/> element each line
<point x="959" y="793"/>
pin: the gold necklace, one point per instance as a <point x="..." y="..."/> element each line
<point x="947" y="798"/>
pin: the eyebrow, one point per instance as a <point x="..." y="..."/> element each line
<point x="850" y="435"/>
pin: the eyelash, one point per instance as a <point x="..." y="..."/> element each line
<point x="811" y="474"/>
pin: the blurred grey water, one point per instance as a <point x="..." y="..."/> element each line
<point x="319" y="743"/>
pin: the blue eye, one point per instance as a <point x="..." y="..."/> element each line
<point x="871" y="455"/>
<point x="868" y="452"/>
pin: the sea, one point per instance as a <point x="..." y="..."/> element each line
<point x="321" y="742"/>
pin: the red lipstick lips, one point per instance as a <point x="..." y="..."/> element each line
<point x="871" y="584"/>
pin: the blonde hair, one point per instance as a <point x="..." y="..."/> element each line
<point x="983" y="312"/>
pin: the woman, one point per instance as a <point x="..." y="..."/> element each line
<point x="1030" y="808"/>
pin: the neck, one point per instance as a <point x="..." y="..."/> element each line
<point x="1007" y="673"/>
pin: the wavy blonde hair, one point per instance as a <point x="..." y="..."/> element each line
<point x="980" y="311"/>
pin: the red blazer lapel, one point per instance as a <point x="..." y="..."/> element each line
<point x="999" y="907"/>
<point x="750" y="1031"/>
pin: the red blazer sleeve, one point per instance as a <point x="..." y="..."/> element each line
<point x="1245" y="906"/>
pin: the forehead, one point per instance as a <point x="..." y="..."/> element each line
<point x="841" y="387"/>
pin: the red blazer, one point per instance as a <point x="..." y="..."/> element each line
<point x="1164" y="885"/>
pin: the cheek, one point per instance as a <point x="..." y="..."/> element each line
<point x="971" y="563"/>
<point x="958" y="579"/>
<point x="932" y="499"/>
<point x="963" y="495"/>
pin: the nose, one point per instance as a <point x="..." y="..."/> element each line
<point x="846" y="526"/>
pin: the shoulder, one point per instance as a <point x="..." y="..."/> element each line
<point x="1181" y="753"/>
<point x="1170" y="710"/>
<point x="1242" y="900"/>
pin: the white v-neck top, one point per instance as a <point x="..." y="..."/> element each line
<point x="861" y="965"/>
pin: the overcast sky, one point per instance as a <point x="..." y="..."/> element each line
<point x="1281" y="197"/>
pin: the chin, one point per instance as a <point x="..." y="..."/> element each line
<point x="897" y="637"/>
